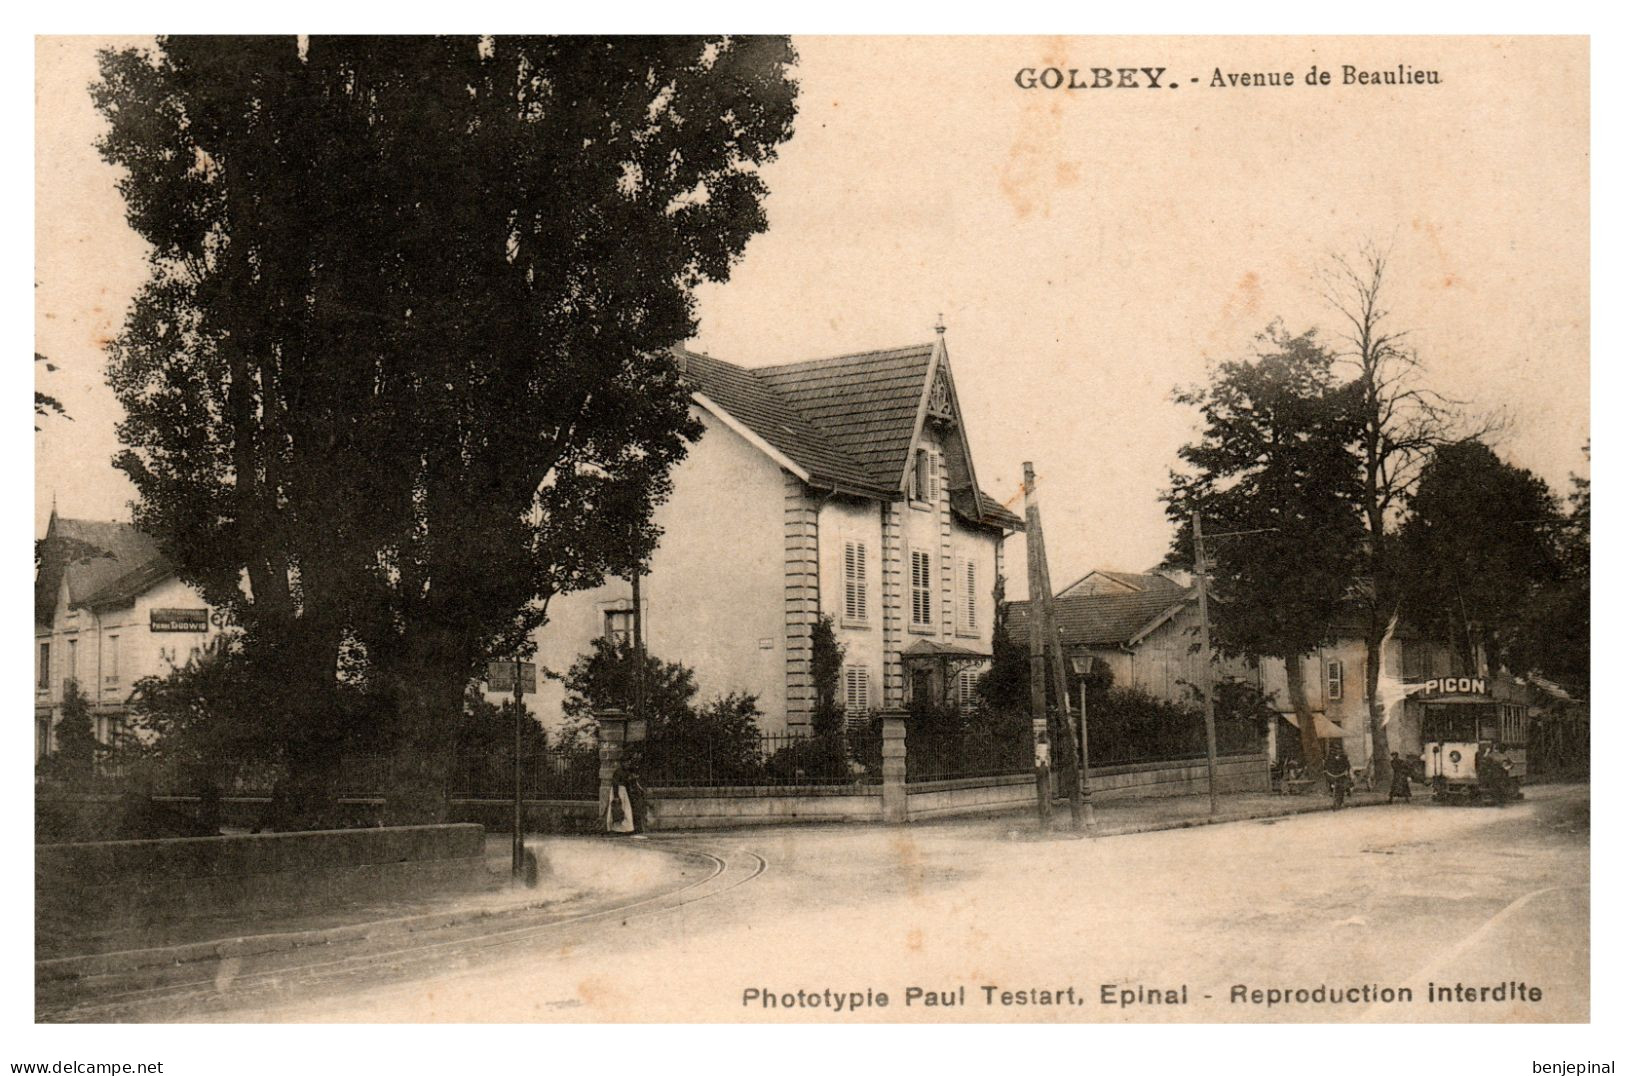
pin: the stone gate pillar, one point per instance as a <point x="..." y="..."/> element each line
<point x="893" y="766"/>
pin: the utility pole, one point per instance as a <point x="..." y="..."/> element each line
<point x="1207" y="667"/>
<point x="1040" y="598"/>
<point x="518" y="770"/>
<point x="1035" y="644"/>
<point x="639" y="688"/>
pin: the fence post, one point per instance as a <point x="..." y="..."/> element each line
<point x="893" y="766"/>
<point x="611" y="742"/>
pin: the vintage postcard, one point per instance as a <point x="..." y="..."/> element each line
<point x="812" y="529"/>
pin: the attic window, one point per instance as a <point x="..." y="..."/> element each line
<point x="924" y="484"/>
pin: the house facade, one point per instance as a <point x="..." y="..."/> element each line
<point x="108" y="611"/>
<point x="841" y="486"/>
<point x="1145" y="628"/>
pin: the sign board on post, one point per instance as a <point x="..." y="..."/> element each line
<point x="180" y="620"/>
<point x="499" y="677"/>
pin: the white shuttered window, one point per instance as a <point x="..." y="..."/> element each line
<point x="855" y="573"/>
<point x="857" y="689"/>
<point x="919" y="611"/>
<point x="967" y="600"/>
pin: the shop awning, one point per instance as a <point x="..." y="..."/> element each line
<point x="1325" y="727"/>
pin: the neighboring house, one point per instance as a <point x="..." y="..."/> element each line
<point x="108" y="611"/>
<point x="840" y="486"/>
<point x="1142" y="627"/>
<point x="1145" y="629"/>
<point x="1102" y="581"/>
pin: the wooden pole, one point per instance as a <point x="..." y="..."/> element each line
<point x="1041" y="602"/>
<point x="639" y="686"/>
<point x="1035" y="640"/>
<point x="518" y="772"/>
<point x="1206" y="661"/>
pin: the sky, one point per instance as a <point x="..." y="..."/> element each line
<point x="1088" y="250"/>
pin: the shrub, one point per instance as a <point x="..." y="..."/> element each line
<point x="73" y="762"/>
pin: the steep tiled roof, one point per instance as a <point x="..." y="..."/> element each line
<point x="865" y="404"/>
<point x="751" y="399"/>
<point x="1102" y="619"/>
<point x="994" y="513"/>
<point x="1136" y="581"/>
<point x="847" y="421"/>
<point x="101" y="562"/>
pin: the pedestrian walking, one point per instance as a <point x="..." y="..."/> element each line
<point x="1492" y="774"/>
<point x="618" y="816"/>
<point x="1399" y="784"/>
<point x="1338" y="772"/>
<point x="637" y="800"/>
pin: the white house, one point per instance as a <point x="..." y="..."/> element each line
<point x="841" y="486"/>
<point x="108" y="611"/>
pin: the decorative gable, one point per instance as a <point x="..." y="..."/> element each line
<point x="939" y="404"/>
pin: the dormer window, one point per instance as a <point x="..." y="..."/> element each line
<point x="924" y="486"/>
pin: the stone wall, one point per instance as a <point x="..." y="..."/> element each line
<point x="1188" y="777"/>
<point x="148" y="883"/>
<point x="722" y="808"/>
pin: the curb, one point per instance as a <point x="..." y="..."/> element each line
<point x="1194" y="823"/>
<point x="56" y="969"/>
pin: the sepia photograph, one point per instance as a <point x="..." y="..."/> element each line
<point x="812" y="529"/>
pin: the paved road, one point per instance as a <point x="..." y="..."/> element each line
<point x="1359" y="902"/>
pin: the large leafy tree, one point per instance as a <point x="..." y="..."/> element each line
<point x="399" y="361"/>
<point x="1554" y="638"/>
<point x="1475" y="549"/>
<point x="1273" y="468"/>
<point x="1402" y="422"/>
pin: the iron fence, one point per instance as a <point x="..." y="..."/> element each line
<point x="549" y="773"/>
<point x="765" y="760"/>
<point x="941" y="755"/>
<point x="1169" y="741"/>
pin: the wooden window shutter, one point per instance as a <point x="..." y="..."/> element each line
<point x="855" y="572"/>
<point x="920" y="587"/>
<point x="969" y="604"/>
<point x="857" y="689"/>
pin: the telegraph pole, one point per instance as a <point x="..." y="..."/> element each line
<point x="639" y="687"/>
<point x="518" y="771"/>
<point x="1040" y="600"/>
<point x="1035" y="642"/>
<point x="1207" y="667"/>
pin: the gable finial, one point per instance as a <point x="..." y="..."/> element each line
<point x="941" y="327"/>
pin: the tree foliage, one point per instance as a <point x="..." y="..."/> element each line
<point x="400" y="356"/>
<point x="1475" y="549"/>
<point x="1006" y="685"/>
<point x="75" y="747"/>
<point x="1401" y="423"/>
<point x="1273" y="459"/>
<point x="1274" y="469"/>
<point x="604" y="678"/>
<point x="44" y="403"/>
<point x="1554" y="638"/>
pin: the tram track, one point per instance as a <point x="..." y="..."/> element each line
<point x="206" y="986"/>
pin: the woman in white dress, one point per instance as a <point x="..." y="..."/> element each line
<point x="618" y="815"/>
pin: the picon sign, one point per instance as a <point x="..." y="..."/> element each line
<point x="1456" y="685"/>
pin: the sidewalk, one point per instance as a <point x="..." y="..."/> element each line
<point x="1120" y="817"/>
